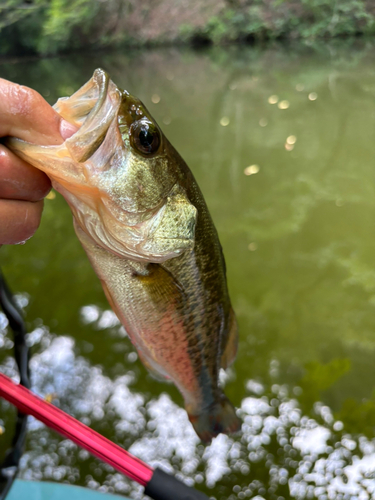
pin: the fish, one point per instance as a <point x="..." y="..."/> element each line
<point x="146" y="229"/>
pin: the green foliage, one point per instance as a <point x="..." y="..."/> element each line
<point x="332" y="18"/>
<point x="68" y="24"/>
<point x="282" y="18"/>
<point x="13" y="11"/>
<point x="187" y="31"/>
<point x="233" y="25"/>
<point x="20" y="25"/>
<point x="50" y="26"/>
<point x="217" y="29"/>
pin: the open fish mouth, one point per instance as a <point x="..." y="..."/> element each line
<point x="92" y="109"/>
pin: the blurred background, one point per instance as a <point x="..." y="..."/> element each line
<point x="52" y="26"/>
<point x="272" y="105"/>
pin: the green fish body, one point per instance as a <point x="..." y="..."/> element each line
<point x="144" y="224"/>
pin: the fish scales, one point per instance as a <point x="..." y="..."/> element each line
<point x="143" y="222"/>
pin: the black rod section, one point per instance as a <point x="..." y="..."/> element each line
<point x="162" y="486"/>
<point x="9" y="468"/>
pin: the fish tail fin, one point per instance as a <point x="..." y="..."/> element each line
<point x="220" y="417"/>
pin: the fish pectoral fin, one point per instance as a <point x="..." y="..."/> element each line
<point x="231" y="346"/>
<point x="161" y="286"/>
<point x="139" y="268"/>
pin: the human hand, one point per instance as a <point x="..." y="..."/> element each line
<point x="26" y="115"/>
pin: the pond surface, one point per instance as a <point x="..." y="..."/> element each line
<point x="282" y="143"/>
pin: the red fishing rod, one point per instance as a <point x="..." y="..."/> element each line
<point x="158" y="484"/>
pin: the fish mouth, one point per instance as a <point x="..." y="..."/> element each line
<point x="92" y="109"/>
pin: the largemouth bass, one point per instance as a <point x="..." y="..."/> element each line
<point x="142" y="220"/>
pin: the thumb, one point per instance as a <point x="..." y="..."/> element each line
<point x="26" y="115"/>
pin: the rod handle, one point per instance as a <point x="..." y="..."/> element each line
<point x="163" y="486"/>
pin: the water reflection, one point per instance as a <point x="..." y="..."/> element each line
<point x="299" y="243"/>
<point x="279" y="449"/>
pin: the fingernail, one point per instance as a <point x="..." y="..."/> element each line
<point x="67" y="129"/>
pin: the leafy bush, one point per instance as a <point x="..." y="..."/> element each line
<point x="68" y="24"/>
<point x="283" y="18"/>
<point x="49" y="26"/>
<point x="20" y="25"/>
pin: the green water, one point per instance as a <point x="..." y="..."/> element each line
<point x="299" y="240"/>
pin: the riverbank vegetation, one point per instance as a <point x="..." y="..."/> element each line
<point x="52" y="26"/>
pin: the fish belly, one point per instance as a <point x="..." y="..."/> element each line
<point x="149" y="307"/>
<point x="165" y="324"/>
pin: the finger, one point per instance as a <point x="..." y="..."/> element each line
<point x="18" y="220"/>
<point x="19" y="180"/>
<point x="26" y="115"/>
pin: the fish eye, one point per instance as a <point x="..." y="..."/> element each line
<point x="145" y="137"/>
